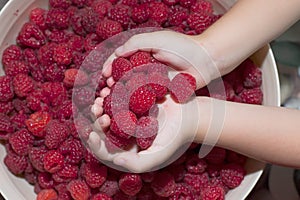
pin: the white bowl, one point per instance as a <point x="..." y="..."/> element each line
<point x="15" y="14"/>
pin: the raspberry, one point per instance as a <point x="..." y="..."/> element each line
<point x="113" y="104"/>
<point x="196" y="181"/>
<point x="6" y="127"/>
<point x="170" y="2"/>
<point x="23" y="85"/>
<point x="216" y="156"/>
<point x="232" y="175"/>
<point x="55" y="92"/>
<point x="217" y="90"/>
<point x="37" y="122"/>
<point x="252" y="96"/>
<point x="252" y="75"/>
<point x="101" y="7"/>
<point x="108" y="28"/>
<point x="60" y="3"/>
<point x="233" y="157"/>
<point x="76" y="43"/>
<point x="72" y="75"/>
<point x="130" y="183"/>
<point x="114" y="142"/>
<point x="6" y="88"/>
<point x="45" y="54"/>
<point x="123" y="124"/>
<point x="47" y="194"/>
<point x="159" y="12"/>
<point x="158" y="84"/>
<point x="45" y="180"/>
<point x="182" y="191"/>
<point x="83" y="96"/>
<point x="178" y="18"/>
<point x="31" y="36"/>
<point x="36" y="101"/>
<point x="16" y="67"/>
<point x="53" y="161"/>
<point x="141" y="100"/>
<point x="122" y="196"/>
<point x="91" y="41"/>
<point x="140" y="58"/>
<point x="121" y="68"/>
<point x="101" y="196"/>
<point x="57" y="18"/>
<point x="12" y="52"/>
<point x="202" y="6"/>
<point x="76" y="23"/>
<point x="182" y="87"/>
<point x="36" y="157"/>
<point x="62" y="54"/>
<point x="79" y="190"/>
<point x="146" y="131"/>
<point x="212" y="192"/>
<point x="15" y="163"/>
<point x="38" y="17"/>
<point x="140" y="13"/>
<point x="6" y="107"/>
<point x="18" y="120"/>
<point x="54" y="73"/>
<point x="90" y="20"/>
<point x="163" y="184"/>
<point x="72" y="150"/>
<point x="130" y="3"/>
<point x="21" y="141"/>
<point x="137" y="80"/>
<point x="195" y="165"/>
<point x="67" y="173"/>
<point x="178" y="172"/>
<point x="56" y="133"/>
<point x="94" y="174"/>
<point x="186" y="3"/>
<point x="110" y="186"/>
<point x="148" y="177"/>
<point x="120" y="13"/>
<point x="199" y="21"/>
<point x="79" y="3"/>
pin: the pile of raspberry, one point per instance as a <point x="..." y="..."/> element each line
<point x="37" y="113"/>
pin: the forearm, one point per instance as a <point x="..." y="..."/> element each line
<point x="249" y="25"/>
<point x="270" y="134"/>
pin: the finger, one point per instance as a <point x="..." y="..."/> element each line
<point x="97" y="146"/>
<point x="102" y="123"/>
<point x="104" y="92"/>
<point x="97" y="110"/>
<point x="110" y="82"/>
<point x="107" y="66"/>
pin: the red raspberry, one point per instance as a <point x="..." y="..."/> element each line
<point x="216" y="156"/>
<point x="122" y="196"/>
<point x="182" y="87"/>
<point x="186" y="3"/>
<point x="110" y="186"/>
<point x="53" y="161"/>
<point x="216" y="90"/>
<point x="79" y="190"/>
<point x="83" y="96"/>
<point x="182" y="191"/>
<point x="91" y="41"/>
<point x="60" y="3"/>
<point x="21" y="141"/>
<point x="72" y="75"/>
<point x="76" y="43"/>
<point x="31" y="36"/>
<point x="72" y="149"/>
<point x="170" y="2"/>
<point x="12" y="52"/>
<point x="130" y="183"/>
<point x="233" y="157"/>
<point x="15" y="163"/>
<point x="62" y="54"/>
<point x="36" y="157"/>
<point x="63" y="192"/>
<point x="6" y="106"/>
<point x="90" y="19"/>
<point x="114" y="142"/>
<point x="101" y="7"/>
<point x="79" y="3"/>
<point x="140" y="58"/>
<point x="158" y="84"/>
<point x="6" y="88"/>
<point x="16" y="67"/>
<point x="54" y="73"/>
<point x="130" y="3"/>
<point x="57" y="18"/>
<point x="159" y="12"/>
<point x="38" y="17"/>
<point x="47" y="194"/>
<point x="76" y="23"/>
<point x="108" y="28"/>
<point x="45" y="180"/>
<point x="123" y="124"/>
<point x="114" y="103"/>
<point x="178" y="171"/>
<point x="199" y="21"/>
<point x="121" y="68"/>
<point x="140" y="13"/>
<point x="45" y="54"/>
<point x="252" y="96"/>
<point x="141" y="100"/>
<point x="196" y="181"/>
<point x="23" y="85"/>
<point x="120" y="13"/>
<point x="163" y="184"/>
<point x="55" y="92"/>
<point x="36" y="101"/>
<point x="178" y="18"/>
<point x="67" y="173"/>
<point x="37" y="122"/>
<point x="148" y="177"/>
<point x="232" y="175"/>
<point x="6" y="127"/>
<point x="195" y="165"/>
<point x="56" y="133"/>
<point x="202" y="6"/>
<point x="101" y="196"/>
<point x="94" y="174"/>
<point x="212" y="192"/>
<point x="18" y="120"/>
<point x="146" y="131"/>
<point x="137" y="80"/>
<point x="252" y="75"/>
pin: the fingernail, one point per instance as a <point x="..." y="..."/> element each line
<point x="120" y="161"/>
